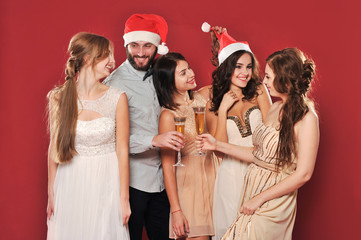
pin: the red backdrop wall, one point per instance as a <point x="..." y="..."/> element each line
<point x="33" y="43"/>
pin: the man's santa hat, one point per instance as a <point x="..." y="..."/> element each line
<point x="227" y="44"/>
<point x="148" y="28"/>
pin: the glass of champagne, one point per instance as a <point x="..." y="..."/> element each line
<point x="179" y="127"/>
<point x="199" y="113"/>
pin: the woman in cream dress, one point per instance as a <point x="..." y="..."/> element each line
<point x="239" y="101"/>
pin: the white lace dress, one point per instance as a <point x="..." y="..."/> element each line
<point x="231" y="172"/>
<point x="87" y="189"/>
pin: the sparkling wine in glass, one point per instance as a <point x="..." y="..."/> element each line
<point x="179" y="127"/>
<point x="199" y="113"/>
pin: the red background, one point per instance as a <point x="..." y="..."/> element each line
<point x="33" y="43"/>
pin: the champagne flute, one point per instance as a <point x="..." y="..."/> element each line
<point x="179" y="127"/>
<point x="199" y="113"/>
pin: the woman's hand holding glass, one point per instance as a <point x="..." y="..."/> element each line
<point x="206" y="142"/>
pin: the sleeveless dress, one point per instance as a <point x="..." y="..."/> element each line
<point x="87" y="189"/>
<point x="231" y="172"/>
<point x="274" y="220"/>
<point x="195" y="179"/>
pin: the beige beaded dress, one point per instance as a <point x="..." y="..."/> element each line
<point x="195" y="181"/>
<point x="274" y="220"/>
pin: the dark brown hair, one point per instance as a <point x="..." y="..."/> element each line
<point x="164" y="79"/>
<point x="222" y="76"/>
<point x="293" y="76"/>
<point x="63" y="106"/>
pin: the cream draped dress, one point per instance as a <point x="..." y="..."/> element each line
<point x="274" y="220"/>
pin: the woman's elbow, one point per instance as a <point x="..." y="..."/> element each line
<point x="305" y="177"/>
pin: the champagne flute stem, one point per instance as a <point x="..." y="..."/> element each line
<point x="179" y="157"/>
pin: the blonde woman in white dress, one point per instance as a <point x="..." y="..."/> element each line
<point x="88" y="186"/>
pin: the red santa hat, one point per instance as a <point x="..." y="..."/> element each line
<point x="148" y="28"/>
<point x="227" y="44"/>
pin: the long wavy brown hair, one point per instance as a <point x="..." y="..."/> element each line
<point x="83" y="48"/>
<point x="293" y="76"/>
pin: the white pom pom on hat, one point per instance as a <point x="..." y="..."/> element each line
<point x="206" y="27"/>
<point x="227" y="44"/>
<point x="162" y="49"/>
<point x="148" y="28"/>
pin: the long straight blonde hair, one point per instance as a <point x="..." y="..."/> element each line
<point x="63" y="104"/>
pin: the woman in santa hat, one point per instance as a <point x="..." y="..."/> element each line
<point x="239" y="103"/>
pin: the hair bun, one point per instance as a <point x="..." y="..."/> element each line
<point x="307" y="75"/>
<point x="308" y="69"/>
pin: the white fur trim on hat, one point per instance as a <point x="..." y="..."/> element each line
<point x="206" y="27"/>
<point x="231" y="48"/>
<point x="144" y="36"/>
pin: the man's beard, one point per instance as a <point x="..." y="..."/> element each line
<point x="134" y="64"/>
